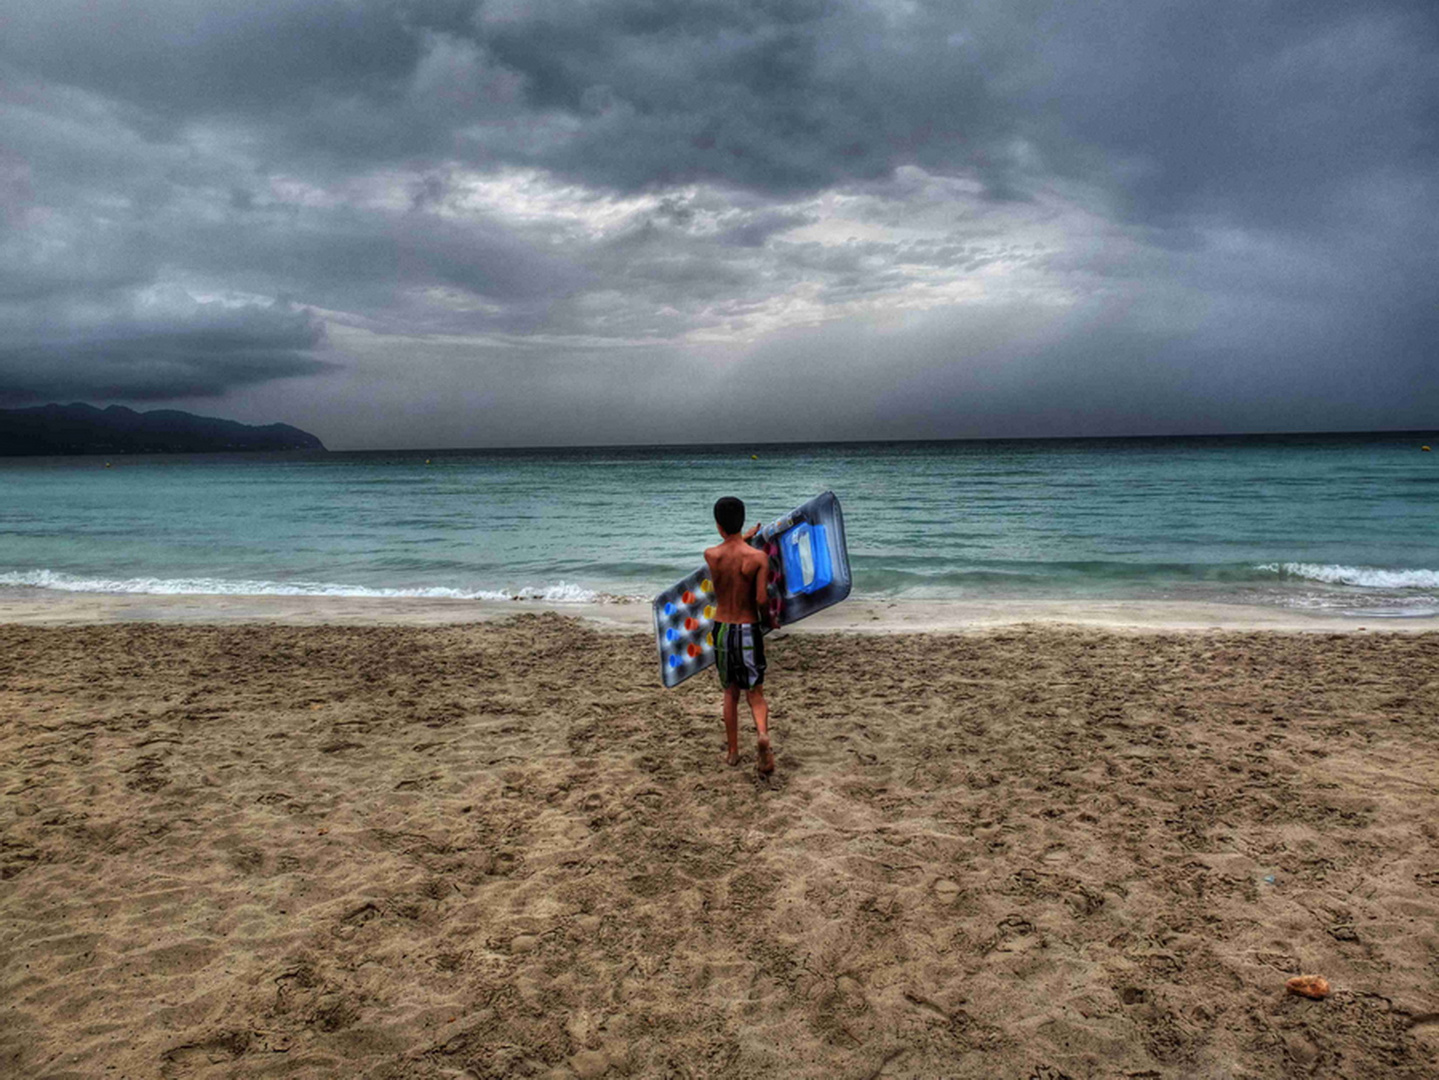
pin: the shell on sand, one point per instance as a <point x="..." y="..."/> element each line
<point x="1310" y="986"/>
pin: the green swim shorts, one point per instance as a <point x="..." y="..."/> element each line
<point x="739" y="655"/>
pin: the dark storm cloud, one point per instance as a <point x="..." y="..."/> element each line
<point x="1272" y="114"/>
<point x="175" y="350"/>
<point x="338" y="255"/>
<point x="771" y="96"/>
<point x="182" y="58"/>
<point x="1189" y="200"/>
<point x="1176" y="104"/>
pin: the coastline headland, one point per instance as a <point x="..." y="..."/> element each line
<point x="84" y="429"/>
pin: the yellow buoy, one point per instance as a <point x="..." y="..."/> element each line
<point x="754" y="457"/>
<point x="1424" y="448"/>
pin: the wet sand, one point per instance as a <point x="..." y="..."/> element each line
<point x="501" y="849"/>
<point x="43" y="607"/>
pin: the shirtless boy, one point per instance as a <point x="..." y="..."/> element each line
<point x="741" y="575"/>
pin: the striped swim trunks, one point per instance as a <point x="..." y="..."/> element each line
<point x="739" y="655"/>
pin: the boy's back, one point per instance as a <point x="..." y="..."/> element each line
<point x="735" y="568"/>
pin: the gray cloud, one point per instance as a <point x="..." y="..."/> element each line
<point x="1175" y="105"/>
<point x="173" y="349"/>
<point x="972" y="217"/>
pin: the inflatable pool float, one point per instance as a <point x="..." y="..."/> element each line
<point x="808" y="572"/>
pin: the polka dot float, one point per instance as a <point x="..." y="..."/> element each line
<point x="689" y="607"/>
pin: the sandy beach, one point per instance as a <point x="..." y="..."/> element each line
<point x="262" y="838"/>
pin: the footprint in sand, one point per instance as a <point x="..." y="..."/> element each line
<point x="524" y="943"/>
<point x="334" y="1014"/>
<point x="216" y="1050"/>
<point x="355" y="919"/>
<point x="505" y="863"/>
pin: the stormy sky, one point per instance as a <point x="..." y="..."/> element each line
<point x="542" y="222"/>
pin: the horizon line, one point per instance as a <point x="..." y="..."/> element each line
<point x="790" y="443"/>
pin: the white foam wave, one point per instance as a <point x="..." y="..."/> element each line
<point x="1368" y="577"/>
<point x="560" y="593"/>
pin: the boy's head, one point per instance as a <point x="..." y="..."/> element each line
<point x="729" y="515"/>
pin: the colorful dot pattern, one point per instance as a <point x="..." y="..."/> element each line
<point x="684" y="621"/>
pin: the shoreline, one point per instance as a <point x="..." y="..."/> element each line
<point x="41" y="607"/>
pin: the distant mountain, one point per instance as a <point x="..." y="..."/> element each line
<point x="84" y="429"/>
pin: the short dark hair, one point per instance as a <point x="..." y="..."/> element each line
<point x="729" y="515"/>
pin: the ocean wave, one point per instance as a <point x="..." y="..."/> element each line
<point x="560" y="593"/>
<point x="904" y="573"/>
<point x="1368" y="577"/>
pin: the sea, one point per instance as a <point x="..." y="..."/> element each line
<point x="1322" y="523"/>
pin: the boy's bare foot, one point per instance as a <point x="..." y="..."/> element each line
<point x="764" y="760"/>
<point x="731" y="759"/>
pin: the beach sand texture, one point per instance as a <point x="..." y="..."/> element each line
<point x="502" y="849"/>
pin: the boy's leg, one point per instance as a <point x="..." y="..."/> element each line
<point x="759" y="709"/>
<point x="731" y="723"/>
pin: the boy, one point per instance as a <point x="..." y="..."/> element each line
<point x="741" y="576"/>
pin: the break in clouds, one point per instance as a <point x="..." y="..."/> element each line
<point x="450" y="222"/>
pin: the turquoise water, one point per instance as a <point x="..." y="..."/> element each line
<point x="1328" y="523"/>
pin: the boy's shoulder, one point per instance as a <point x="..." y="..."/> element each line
<point x="724" y="552"/>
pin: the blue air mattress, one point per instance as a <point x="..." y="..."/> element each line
<point x="808" y="572"/>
